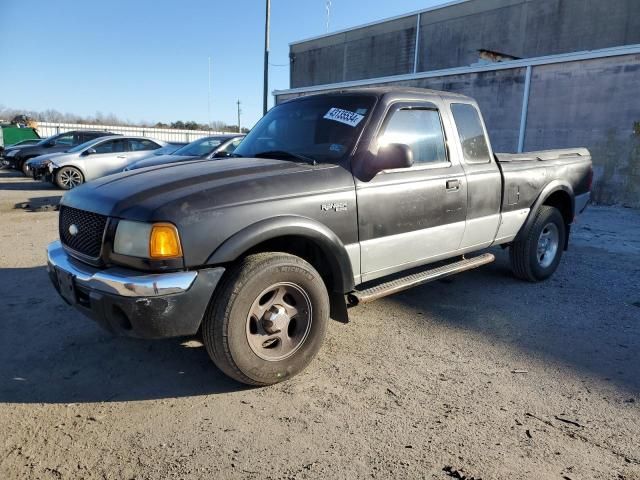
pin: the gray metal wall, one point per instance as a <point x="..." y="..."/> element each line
<point x="375" y="51"/>
<point x="451" y="37"/>
<point x="591" y="103"/>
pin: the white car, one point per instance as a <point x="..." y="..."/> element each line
<point x="93" y="159"/>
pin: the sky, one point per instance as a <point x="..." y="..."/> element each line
<point x="147" y="60"/>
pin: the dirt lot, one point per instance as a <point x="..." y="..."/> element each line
<point x="482" y="376"/>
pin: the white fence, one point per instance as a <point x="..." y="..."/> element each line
<point x="46" y="129"/>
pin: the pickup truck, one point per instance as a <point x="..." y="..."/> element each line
<point x="330" y="201"/>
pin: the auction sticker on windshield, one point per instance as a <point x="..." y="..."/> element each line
<point x="344" y="116"/>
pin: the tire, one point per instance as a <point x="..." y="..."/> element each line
<point x="240" y="339"/>
<point x="24" y="169"/>
<point x="67" y="178"/>
<point x="537" y="255"/>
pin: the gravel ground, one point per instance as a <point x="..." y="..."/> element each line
<point x="480" y="376"/>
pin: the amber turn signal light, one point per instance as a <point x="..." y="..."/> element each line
<point x="164" y="241"/>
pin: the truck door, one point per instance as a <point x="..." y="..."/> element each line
<point x="484" y="180"/>
<point x="412" y="216"/>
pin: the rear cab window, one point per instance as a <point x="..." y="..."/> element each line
<point x="475" y="148"/>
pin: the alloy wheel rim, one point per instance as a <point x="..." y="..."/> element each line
<point x="70" y="178"/>
<point x="548" y="244"/>
<point x="279" y="321"/>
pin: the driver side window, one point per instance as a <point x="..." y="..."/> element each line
<point x="110" y="146"/>
<point x="420" y="129"/>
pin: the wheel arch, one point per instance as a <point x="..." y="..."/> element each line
<point x="299" y="236"/>
<point x="558" y="194"/>
<point x="73" y="165"/>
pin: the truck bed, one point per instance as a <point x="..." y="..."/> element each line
<point x="525" y="175"/>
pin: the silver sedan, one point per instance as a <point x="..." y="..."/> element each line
<point x="93" y="159"/>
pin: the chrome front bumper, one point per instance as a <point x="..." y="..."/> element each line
<point x="132" y="303"/>
<point x="118" y="281"/>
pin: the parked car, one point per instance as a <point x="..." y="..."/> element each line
<point x="93" y="159"/>
<point x="169" y="149"/>
<point x="218" y="146"/>
<point x="334" y="200"/>
<point x="15" y="147"/>
<point x="62" y="142"/>
<point x="39" y="166"/>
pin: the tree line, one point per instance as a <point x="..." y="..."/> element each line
<point x="50" y="115"/>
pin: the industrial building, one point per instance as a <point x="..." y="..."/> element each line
<point x="546" y="73"/>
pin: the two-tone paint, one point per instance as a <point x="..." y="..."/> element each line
<point x="365" y="226"/>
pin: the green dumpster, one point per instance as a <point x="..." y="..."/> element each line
<point x="11" y="134"/>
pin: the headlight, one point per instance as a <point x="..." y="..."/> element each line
<point x="12" y="153"/>
<point x="157" y="241"/>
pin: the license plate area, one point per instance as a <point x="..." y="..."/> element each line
<point x="67" y="286"/>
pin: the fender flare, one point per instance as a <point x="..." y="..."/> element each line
<point x="290" y="225"/>
<point x="547" y="191"/>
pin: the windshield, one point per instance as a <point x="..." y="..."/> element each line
<point x="84" y="145"/>
<point x="323" y="128"/>
<point x="45" y="140"/>
<point x="200" y="147"/>
<point x="167" y="150"/>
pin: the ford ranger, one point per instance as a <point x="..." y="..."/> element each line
<point x="330" y="201"/>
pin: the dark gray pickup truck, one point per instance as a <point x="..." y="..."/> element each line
<point x="330" y="201"/>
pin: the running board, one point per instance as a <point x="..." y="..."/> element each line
<point x="404" y="283"/>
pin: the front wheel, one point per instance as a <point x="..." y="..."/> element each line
<point x="25" y="168"/>
<point x="68" y="177"/>
<point x="537" y="255"/>
<point x="268" y="319"/>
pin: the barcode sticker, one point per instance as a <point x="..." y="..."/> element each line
<point x="344" y="116"/>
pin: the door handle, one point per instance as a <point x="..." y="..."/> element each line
<point x="121" y="156"/>
<point x="453" y="185"/>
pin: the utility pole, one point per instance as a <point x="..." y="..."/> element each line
<point x="209" y="98"/>
<point x="265" y="93"/>
<point x="239" y="112"/>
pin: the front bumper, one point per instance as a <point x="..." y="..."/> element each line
<point x="38" y="171"/>
<point x="132" y="303"/>
<point x="10" y="162"/>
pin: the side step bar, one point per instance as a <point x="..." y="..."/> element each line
<point x="404" y="283"/>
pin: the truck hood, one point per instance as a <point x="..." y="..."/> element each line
<point x="177" y="192"/>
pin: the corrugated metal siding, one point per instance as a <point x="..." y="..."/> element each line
<point x="451" y="36"/>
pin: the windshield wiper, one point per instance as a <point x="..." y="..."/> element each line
<point x="279" y="154"/>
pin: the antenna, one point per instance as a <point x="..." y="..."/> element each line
<point x="328" y="8"/>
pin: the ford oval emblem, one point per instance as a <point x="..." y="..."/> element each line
<point x="73" y="230"/>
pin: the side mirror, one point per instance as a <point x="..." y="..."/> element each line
<point x="89" y="151"/>
<point x="393" y="155"/>
<point x="50" y="143"/>
<point x="221" y="154"/>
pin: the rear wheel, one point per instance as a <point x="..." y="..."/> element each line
<point x="537" y="255"/>
<point x="68" y="178"/>
<point x="268" y="319"/>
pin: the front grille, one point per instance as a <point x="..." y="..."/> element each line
<point x="90" y="228"/>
